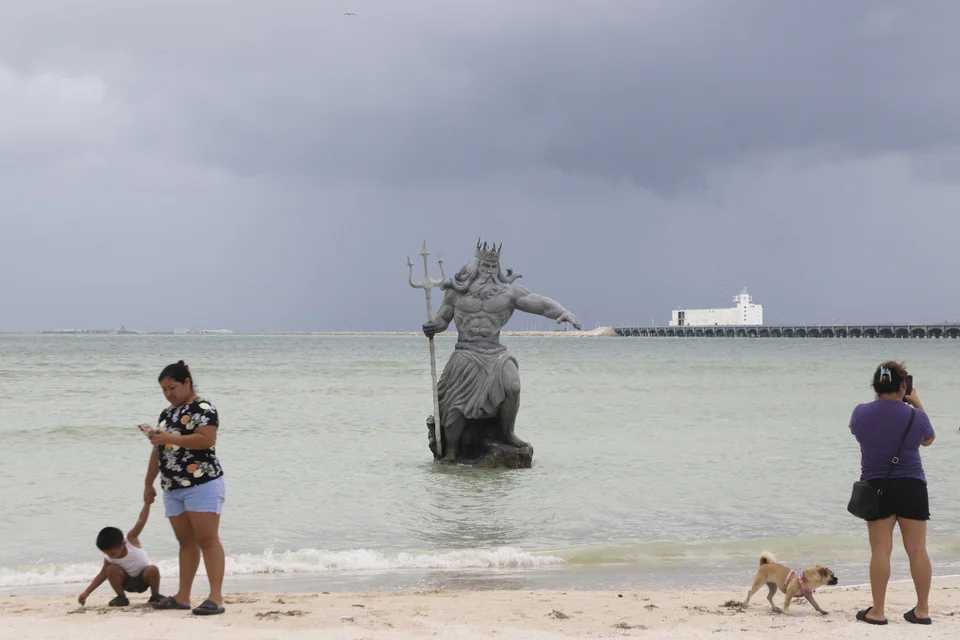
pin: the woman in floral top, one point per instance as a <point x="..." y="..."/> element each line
<point x="184" y="456"/>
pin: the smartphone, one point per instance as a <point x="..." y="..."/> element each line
<point x="909" y="381"/>
<point x="144" y="429"/>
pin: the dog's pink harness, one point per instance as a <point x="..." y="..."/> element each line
<point x="799" y="574"/>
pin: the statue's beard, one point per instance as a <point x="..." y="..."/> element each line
<point x="486" y="286"/>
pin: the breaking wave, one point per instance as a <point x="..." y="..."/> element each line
<point x="302" y="561"/>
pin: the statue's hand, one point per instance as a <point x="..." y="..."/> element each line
<point x="569" y="317"/>
<point x="429" y="329"/>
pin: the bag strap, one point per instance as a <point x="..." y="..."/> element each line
<point x="896" y="458"/>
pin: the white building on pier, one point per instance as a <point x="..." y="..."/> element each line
<point x="745" y="313"/>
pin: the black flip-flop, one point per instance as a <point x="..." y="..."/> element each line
<point x="208" y="608"/>
<point x="168" y="602"/>
<point x="119" y="601"/>
<point x="862" y="617"/>
<point x="911" y="617"/>
<point x="155" y="599"/>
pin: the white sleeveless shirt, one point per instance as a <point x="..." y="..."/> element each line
<point x="134" y="562"/>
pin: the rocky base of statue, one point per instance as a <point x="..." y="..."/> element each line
<point x="482" y="447"/>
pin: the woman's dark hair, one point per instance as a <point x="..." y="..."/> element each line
<point x="180" y="372"/>
<point x="888" y="377"/>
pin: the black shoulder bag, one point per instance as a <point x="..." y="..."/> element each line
<point x="865" y="500"/>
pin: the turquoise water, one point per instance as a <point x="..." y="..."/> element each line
<point x="659" y="462"/>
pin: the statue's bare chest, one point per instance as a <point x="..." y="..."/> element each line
<point x="494" y="305"/>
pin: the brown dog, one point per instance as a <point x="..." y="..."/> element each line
<point x="792" y="583"/>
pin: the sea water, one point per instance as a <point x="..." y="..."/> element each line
<point x="659" y="463"/>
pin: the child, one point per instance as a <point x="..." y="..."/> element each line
<point x="125" y="564"/>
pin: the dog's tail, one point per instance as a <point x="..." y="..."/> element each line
<point x="766" y="557"/>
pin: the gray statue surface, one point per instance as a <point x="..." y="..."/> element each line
<point x="479" y="390"/>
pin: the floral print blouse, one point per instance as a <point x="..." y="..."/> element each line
<point x="179" y="467"/>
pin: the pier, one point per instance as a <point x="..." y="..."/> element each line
<point x="902" y="331"/>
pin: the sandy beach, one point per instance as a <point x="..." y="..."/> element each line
<point x="484" y="614"/>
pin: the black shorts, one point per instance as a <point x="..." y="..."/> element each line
<point x="903" y="497"/>
<point x="134" y="584"/>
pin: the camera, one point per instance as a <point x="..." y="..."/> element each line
<point x="909" y="381"/>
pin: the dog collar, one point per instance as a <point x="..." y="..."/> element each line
<point x="799" y="574"/>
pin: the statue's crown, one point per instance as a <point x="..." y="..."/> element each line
<point x="488" y="253"/>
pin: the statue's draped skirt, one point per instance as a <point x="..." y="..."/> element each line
<point x="471" y="384"/>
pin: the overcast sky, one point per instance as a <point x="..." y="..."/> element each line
<point x="269" y="165"/>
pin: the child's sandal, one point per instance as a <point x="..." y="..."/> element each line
<point x="168" y="602"/>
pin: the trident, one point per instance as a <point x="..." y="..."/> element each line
<point x="427" y="284"/>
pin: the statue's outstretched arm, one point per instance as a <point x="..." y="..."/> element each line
<point x="543" y="306"/>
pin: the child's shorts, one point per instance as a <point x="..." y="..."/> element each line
<point x="207" y="497"/>
<point x="134" y="584"/>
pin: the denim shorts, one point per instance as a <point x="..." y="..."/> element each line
<point x="207" y="497"/>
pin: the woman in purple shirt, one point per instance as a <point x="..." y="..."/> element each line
<point x="879" y="427"/>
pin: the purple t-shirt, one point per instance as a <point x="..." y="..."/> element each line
<point x="878" y="427"/>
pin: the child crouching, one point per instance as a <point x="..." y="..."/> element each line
<point x="125" y="564"/>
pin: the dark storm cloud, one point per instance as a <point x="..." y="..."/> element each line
<point x="287" y="157"/>
<point x="655" y="92"/>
